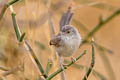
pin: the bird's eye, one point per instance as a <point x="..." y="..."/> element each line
<point x="68" y="31"/>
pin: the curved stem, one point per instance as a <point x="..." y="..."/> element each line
<point x="65" y="67"/>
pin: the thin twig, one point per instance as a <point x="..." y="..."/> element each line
<point x="78" y="66"/>
<point x="100" y="25"/>
<point x="34" y="57"/>
<point x="6" y="6"/>
<point x="102" y="47"/>
<point x="10" y="71"/>
<point x="6" y="73"/>
<point x="26" y="44"/>
<point x="50" y="22"/>
<point x="65" y="67"/>
<point x="22" y="37"/>
<point x="49" y="66"/>
<point x="84" y="28"/>
<point x="3" y="68"/>
<point x="91" y="65"/>
<point x="87" y="5"/>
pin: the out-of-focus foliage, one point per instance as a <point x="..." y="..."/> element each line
<point x="32" y="18"/>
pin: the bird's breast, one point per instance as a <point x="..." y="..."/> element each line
<point x="69" y="47"/>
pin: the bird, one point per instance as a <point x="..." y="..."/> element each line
<point x="67" y="41"/>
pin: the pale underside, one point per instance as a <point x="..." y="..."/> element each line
<point x="69" y="45"/>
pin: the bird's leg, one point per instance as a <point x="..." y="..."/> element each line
<point x="61" y="60"/>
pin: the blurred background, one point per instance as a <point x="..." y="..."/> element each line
<point x="32" y="18"/>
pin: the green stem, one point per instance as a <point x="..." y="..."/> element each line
<point x="39" y="65"/>
<point x="3" y="68"/>
<point x="100" y="25"/>
<point x="78" y="66"/>
<point x="20" y="38"/>
<point x="6" y="6"/>
<point x="65" y="67"/>
<point x="16" y="28"/>
<point x="91" y="65"/>
<point x="12" y="2"/>
<point x="48" y="67"/>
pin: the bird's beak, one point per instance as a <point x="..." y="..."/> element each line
<point x="51" y="42"/>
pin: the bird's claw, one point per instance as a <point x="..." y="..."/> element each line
<point x="73" y="59"/>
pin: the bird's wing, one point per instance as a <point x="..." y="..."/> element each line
<point x="56" y="41"/>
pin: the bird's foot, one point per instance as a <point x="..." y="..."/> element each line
<point x="73" y="59"/>
<point x="63" y="66"/>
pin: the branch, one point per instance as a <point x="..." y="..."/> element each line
<point x="103" y="48"/>
<point x="12" y="2"/>
<point x="22" y="37"/>
<point x="91" y="65"/>
<point x="3" y="68"/>
<point x="84" y="28"/>
<point x="26" y="45"/>
<point x="6" y="6"/>
<point x="100" y="25"/>
<point x="49" y="66"/>
<point x="6" y="73"/>
<point x="34" y="57"/>
<point x="65" y="67"/>
<point x="78" y="66"/>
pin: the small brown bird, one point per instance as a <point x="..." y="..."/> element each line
<point x="67" y="41"/>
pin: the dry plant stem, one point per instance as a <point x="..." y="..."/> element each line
<point x="65" y="67"/>
<point x="106" y="62"/>
<point x="50" y="22"/>
<point x="91" y="65"/>
<point x="37" y="62"/>
<point x="22" y="37"/>
<point x="3" y="68"/>
<point x="49" y="66"/>
<point x="101" y="77"/>
<point x="100" y="25"/>
<point x="3" y="11"/>
<point x="84" y="28"/>
<point x="102" y="47"/>
<point x="81" y="25"/>
<point x="92" y="32"/>
<point x="78" y="66"/>
<point x="101" y="5"/>
<point x="11" y="71"/>
<point x="87" y="5"/>
<point x="26" y="45"/>
<point x="6" y="6"/>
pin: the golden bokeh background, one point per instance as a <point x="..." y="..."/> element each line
<point x="32" y="18"/>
